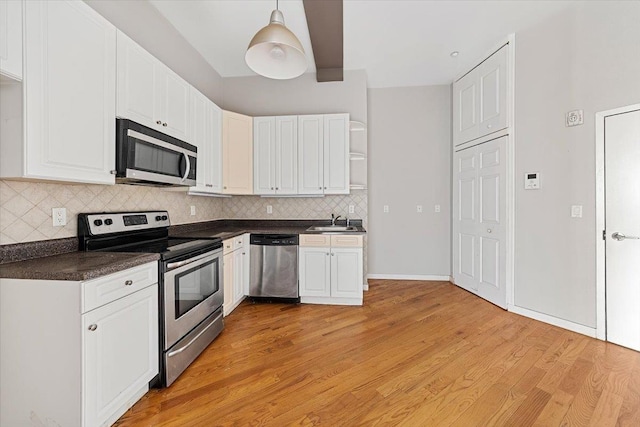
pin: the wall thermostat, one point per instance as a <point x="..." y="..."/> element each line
<point x="532" y="181"/>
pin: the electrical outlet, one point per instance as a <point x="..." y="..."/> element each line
<point x="385" y="208"/>
<point x="352" y="209"/>
<point x="269" y="209"/>
<point x="419" y="208"/>
<point x="574" y="118"/>
<point x="59" y="216"/>
<point x="437" y="208"/>
<point x="193" y="210"/>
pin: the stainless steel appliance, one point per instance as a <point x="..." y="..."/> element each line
<point x="146" y="156"/>
<point x="274" y="267"/>
<point x="190" y="280"/>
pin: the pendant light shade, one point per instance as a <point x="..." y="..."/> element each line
<point x="275" y="52"/>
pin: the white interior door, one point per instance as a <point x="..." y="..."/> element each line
<point x="622" y="194"/>
<point x="491" y="228"/>
<point x="465" y="268"/>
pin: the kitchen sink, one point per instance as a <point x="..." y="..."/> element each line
<point x="332" y="228"/>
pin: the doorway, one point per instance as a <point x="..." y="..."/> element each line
<point x="618" y="221"/>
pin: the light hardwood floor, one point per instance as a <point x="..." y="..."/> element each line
<point x="416" y="354"/>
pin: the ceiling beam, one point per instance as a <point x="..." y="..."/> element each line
<point x="324" y="19"/>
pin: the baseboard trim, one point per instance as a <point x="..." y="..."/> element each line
<point x="552" y="320"/>
<point x="409" y="277"/>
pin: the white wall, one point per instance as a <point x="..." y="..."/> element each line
<point x="260" y="96"/>
<point x="147" y="27"/>
<point x="586" y="58"/>
<point x="409" y="165"/>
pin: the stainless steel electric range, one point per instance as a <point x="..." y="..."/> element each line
<point x="189" y="276"/>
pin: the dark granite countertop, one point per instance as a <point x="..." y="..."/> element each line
<point x="76" y="266"/>
<point x="226" y="228"/>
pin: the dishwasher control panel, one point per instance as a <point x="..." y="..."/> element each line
<point x="274" y="239"/>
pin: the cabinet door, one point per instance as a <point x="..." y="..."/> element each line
<point x="70" y="92"/>
<point x="465" y="108"/>
<point x="201" y="138"/>
<point x="11" y="39"/>
<point x="237" y="153"/>
<point x="264" y="155"/>
<point x="336" y="154"/>
<point x="346" y="272"/>
<point x="315" y="272"/>
<point x="172" y="94"/>
<point x="215" y="157"/>
<point x="310" y="154"/>
<point x="120" y="343"/>
<point x="228" y="277"/>
<point x="238" y="275"/>
<point x="492" y="81"/>
<point x="286" y="155"/>
<point x="137" y="98"/>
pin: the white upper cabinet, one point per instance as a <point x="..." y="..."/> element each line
<point x="311" y="154"/>
<point x="237" y="153"/>
<point x="11" y="39"/>
<point x="206" y="134"/>
<point x="275" y="155"/>
<point x="150" y="93"/>
<point x="65" y="130"/>
<point x="264" y="155"/>
<point x="480" y="99"/>
<point x="336" y="154"/>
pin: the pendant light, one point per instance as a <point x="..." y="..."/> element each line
<point x="275" y="52"/>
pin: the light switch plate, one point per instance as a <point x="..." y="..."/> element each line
<point x="385" y="208"/>
<point x="574" y="118"/>
<point x="576" y="211"/>
<point x="419" y="208"/>
<point x="352" y="209"/>
<point x="269" y="209"/>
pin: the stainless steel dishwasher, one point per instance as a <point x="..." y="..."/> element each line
<point x="274" y="267"/>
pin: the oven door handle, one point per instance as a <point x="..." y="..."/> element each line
<point x="174" y="265"/>
<point x="178" y="264"/>
<point x="194" y="339"/>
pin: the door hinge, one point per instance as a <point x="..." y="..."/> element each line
<point x="604" y="234"/>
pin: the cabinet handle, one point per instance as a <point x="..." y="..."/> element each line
<point x="488" y="126"/>
<point x="243" y="253"/>
<point x="128" y="283"/>
<point x="319" y="188"/>
<point x="488" y="230"/>
<point x="209" y="185"/>
<point x="276" y="188"/>
<point x="93" y="327"/>
<point x="164" y="124"/>
<point x="325" y="188"/>
<point x="332" y="254"/>
<point x="272" y="188"/>
<point x="225" y="187"/>
<point x="158" y="122"/>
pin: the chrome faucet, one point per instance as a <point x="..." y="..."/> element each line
<point x="334" y="219"/>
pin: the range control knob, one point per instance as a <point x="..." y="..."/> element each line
<point x="108" y="221"/>
<point x="98" y="222"/>
<point x="164" y="217"/>
<point x="158" y="218"/>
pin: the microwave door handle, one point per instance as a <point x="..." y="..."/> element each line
<point x="186" y="172"/>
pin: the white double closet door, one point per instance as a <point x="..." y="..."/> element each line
<point x="479" y="221"/>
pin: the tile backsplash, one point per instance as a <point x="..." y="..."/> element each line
<point x="25" y="207"/>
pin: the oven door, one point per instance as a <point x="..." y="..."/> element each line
<point x="193" y="289"/>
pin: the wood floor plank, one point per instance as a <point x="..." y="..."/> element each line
<point x="416" y="354"/>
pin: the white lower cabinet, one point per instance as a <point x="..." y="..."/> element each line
<point x="236" y="271"/>
<point x="70" y="359"/>
<point x="330" y="269"/>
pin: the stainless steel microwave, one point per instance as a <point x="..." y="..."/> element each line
<point x="148" y="157"/>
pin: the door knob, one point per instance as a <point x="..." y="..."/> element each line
<point x="158" y="122"/>
<point x="620" y="237"/>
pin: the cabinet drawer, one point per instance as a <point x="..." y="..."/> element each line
<point x="98" y="292"/>
<point x="228" y="245"/>
<point x="346" y="241"/>
<point x="315" y="240"/>
<point x="238" y="242"/>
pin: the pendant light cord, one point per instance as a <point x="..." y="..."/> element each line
<point x="277" y="5"/>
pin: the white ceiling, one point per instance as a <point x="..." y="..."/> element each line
<point x="397" y="42"/>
